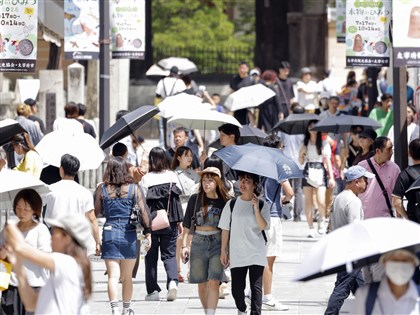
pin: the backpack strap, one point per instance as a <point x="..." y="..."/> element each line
<point x="412" y="172"/>
<point x="232" y="205"/>
<point x="371" y="297"/>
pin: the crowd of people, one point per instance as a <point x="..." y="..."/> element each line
<point x="193" y="209"/>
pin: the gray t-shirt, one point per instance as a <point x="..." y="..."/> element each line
<point x="348" y="208"/>
<point x="247" y="245"/>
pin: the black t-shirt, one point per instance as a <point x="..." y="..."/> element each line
<point x="40" y="122"/>
<point x="87" y="128"/>
<point x="215" y="208"/>
<point x="404" y="182"/>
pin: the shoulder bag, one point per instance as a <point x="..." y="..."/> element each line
<point x="161" y="220"/>
<point x="135" y="216"/>
<point x="381" y="185"/>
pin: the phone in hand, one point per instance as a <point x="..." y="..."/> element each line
<point x="186" y="258"/>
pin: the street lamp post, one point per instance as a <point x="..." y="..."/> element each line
<point x="104" y="109"/>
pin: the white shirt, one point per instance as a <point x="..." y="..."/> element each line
<point x="69" y="125"/>
<point x="408" y="304"/>
<point x="153" y="179"/>
<point x="63" y="293"/>
<point x="307" y="99"/>
<point x="170" y="86"/>
<point x="67" y="196"/>
<point x="247" y="244"/>
<point x="312" y="152"/>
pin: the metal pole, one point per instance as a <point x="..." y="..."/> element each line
<point x="400" y="116"/>
<point x="104" y="108"/>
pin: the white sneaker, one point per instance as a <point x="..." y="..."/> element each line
<point x="241" y="313"/>
<point x="248" y="299"/>
<point x="154" y="296"/>
<point x="273" y="305"/>
<point x="322" y="227"/>
<point x="311" y="233"/>
<point x="172" y="291"/>
<point x="223" y="290"/>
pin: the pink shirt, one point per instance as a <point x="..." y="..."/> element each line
<point x="374" y="204"/>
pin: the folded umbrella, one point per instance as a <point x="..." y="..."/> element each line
<point x="81" y="145"/>
<point x="260" y="160"/>
<point x="127" y="124"/>
<point x="9" y="128"/>
<point x="356" y="245"/>
<point x="343" y="123"/>
<point x="295" y="124"/>
<point x="184" y="65"/>
<point x="249" y="96"/>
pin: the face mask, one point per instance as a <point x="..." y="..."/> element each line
<point x="399" y="272"/>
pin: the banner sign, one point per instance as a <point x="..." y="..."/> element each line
<point x="127" y="21"/>
<point x="81" y="29"/>
<point x="367" y="33"/>
<point x="340" y="21"/>
<point x="406" y="32"/>
<point x="18" y="35"/>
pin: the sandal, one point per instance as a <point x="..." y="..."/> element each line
<point x="180" y="277"/>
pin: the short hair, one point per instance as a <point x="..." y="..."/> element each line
<point x="117" y="172"/>
<point x="30" y="102"/>
<point x="23" y="110"/>
<point x="158" y="161"/>
<point x="272" y="141"/>
<point x="386" y="96"/>
<point x="380" y="143"/>
<point x="71" y="110"/>
<point x="121" y="113"/>
<point x="268" y="75"/>
<point x="242" y="62"/>
<point x="179" y="152"/>
<point x="335" y="98"/>
<point x="119" y="149"/>
<point x="296" y="108"/>
<point x="414" y="149"/>
<point x="31" y="197"/>
<point x="216" y="94"/>
<point x="284" y="65"/>
<point x="70" y="164"/>
<point x="180" y="129"/>
<point x="230" y="129"/>
<point x="254" y="177"/>
<point x="186" y="78"/>
<point x="82" y="109"/>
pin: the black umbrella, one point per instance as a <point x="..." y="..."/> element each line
<point x="248" y="135"/>
<point x="343" y="123"/>
<point x="295" y="124"/>
<point x="127" y="124"/>
<point x="8" y="129"/>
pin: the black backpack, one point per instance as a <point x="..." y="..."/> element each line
<point x="260" y="205"/>
<point x="413" y="196"/>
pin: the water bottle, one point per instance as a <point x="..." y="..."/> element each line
<point x="143" y="243"/>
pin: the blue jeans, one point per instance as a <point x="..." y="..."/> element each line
<point x="164" y="239"/>
<point x="345" y="283"/>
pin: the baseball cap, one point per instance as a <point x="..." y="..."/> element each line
<point x="356" y="172"/>
<point x="174" y="69"/>
<point x="76" y="225"/>
<point x="369" y="134"/>
<point x="254" y="72"/>
<point x="210" y="170"/>
<point x="305" y="70"/>
<point x="30" y="102"/>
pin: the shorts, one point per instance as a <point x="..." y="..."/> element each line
<point x="274" y="237"/>
<point x="315" y="165"/>
<point x="205" y="258"/>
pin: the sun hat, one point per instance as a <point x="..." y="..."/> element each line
<point x="210" y="170"/>
<point x="76" y="225"/>
<point x="409" y="251"/>
<point x="356" y="172"/>
<point x="254" y="72"/>
<point x="305" y="70"/>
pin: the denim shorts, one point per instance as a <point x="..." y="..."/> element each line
<point x="205" y="258"/>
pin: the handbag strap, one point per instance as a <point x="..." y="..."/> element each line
<point x="384" y="192"/>
<point x="169" y="198"/>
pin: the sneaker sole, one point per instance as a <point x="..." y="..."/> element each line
<point x="267" y="307"/>
<point x="171" y="295"/>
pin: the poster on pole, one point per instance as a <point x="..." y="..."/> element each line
<point x="18" y="35"/>
<point x="127" y="21"/>
<point x="406" y="32"/>
<point x="368" y="41"/>
<point x="81" y="29"/>
<point x="340" y="21"/>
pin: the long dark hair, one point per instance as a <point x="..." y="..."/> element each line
<point x="116" y="172"/>
<point x="179" y="152"/>
<point x="221" y="191"/>
<point x="158" y="161"/>
<point x="318" y="142"/>
<point x="30" y="197"/>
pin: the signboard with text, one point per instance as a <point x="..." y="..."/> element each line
<point x="406" y="33"/>
<point x="367" y="33"/>
<point x="18" y="35"/>
<point x="81" y="29"/>
<point x="340" y="21"/>
<point x="127" y="21"/>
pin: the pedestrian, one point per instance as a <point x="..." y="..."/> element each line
<point x="348" y="208"/>
<point x="243" y="245"/>
<point x="182" y="138"/>
<point x="188" y="180"/>
<point x="27" y="206"/>
<point x="80" y="201"/>
<point x="313" y="153"/>
<point x="201" y="220"/>
<point x="70" y="283"/>
<point x="69" y="123"/>
<point x="405" y="179"/>
<point x="87" y="126"/>
<point x="396" y="293"/>
<point x="353" y="146"/>
<point x="307" y="90"/>
<point x="34" y="110"/>
<point x="285" y="86"/>
<point x="116" y="197"/>
<point x="31" y="162"/>
<point x="121" y="150"/>
<point x="239" y="80"/>
<point x="161" y="188"/>
<point x="384" y="114"/>
<point x="23" y="113"/>
<point x="270" y="111"/>
<point x="366" y="139"/>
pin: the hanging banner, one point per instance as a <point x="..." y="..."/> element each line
<point x="81" y="29"/>
<point x="340" y="21"/>
<point x="406" y="32"/>
<point x="127" y="21"/>
<point x="18" y="35"/>
<point x="367" y="35"/>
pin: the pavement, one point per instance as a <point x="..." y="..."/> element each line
<point x="301" y="297"/>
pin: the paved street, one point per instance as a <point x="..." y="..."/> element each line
<point x="302" y="298"/>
